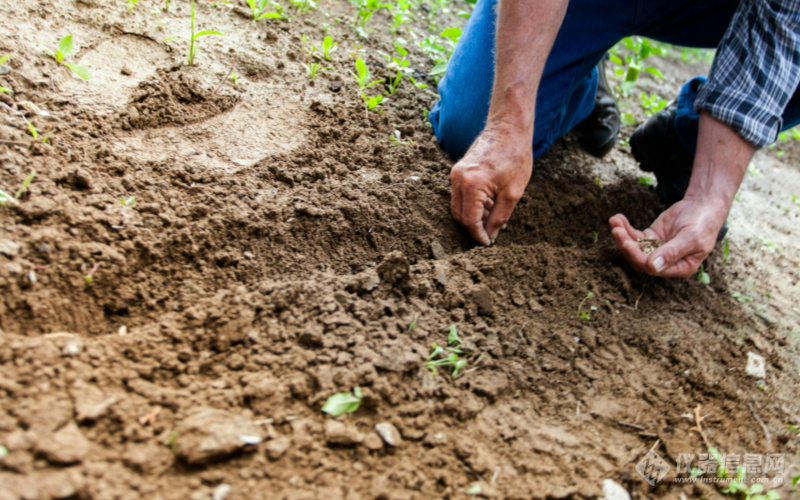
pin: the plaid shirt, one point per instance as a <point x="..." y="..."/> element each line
<point x="756" y="69"/>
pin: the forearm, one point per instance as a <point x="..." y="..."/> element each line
<point x="526" y="31"/>
<point x="719" y="165"/>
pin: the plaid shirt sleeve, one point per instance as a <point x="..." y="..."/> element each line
<point x="756" y="69"/>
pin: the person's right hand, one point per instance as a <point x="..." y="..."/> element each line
<point x="490" y="179"/>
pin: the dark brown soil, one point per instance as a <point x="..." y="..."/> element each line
<point x="279" y="248"/>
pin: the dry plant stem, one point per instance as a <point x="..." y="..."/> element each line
<point x="763" y="426"/>
<point x="227" y="75"/>
<point x="14" y="143"/>
<point x="699" y="426"/>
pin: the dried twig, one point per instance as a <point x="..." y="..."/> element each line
<point x="699" y="425"/>
<point x="14" y="143"/>
<point x="636" y="305"/>
<point x="761" y="423"/>
<point x="228" y="75"/>
<point x="632" y="426"/>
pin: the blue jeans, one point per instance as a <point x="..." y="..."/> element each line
<point x="569" y="82"/>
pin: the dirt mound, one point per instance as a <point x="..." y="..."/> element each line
<point x="172" y="98"/>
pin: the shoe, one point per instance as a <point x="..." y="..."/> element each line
<point x="598" y="133"/>
<point x="655" y="145"/>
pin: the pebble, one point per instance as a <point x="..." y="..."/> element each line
<point x="221" y="492"/>
<point x="66" y="446"/>
<point x="277" y="447"/>
<point x="373" y="442"/>
<point x="9" y="248"/>
<point x="612" y="490"/>
<point x="389" y="434"/>
<point x="438" y="252"/>
<point x="756" y="365"/>
<point x="209" y="434"/>
<point x="340" y="433"/>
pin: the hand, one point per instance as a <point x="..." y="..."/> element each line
<point x="490" y="179"/>
<point x="689" y="229"/>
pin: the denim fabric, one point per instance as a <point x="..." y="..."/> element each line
<point x="569" y="82"/>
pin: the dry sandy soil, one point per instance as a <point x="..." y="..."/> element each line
<point x="279" y="250"/>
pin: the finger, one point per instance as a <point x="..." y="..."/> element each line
<point x="629" y="248"/>
<point x="472" y="208"/>
<point x="621" y="221"/>
<point x="500" y="213"/>
<point x="487" y="210"/>
<point x="678" y="258"/>
<point x="455" y="200"/>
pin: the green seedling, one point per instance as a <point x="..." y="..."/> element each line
<point x="647" y="181"/>
<point x="394" y="85"/>
<point x="258" y="8"/>
<point x="726" y="250"/>
<point x="652" y="104"/>
<point x="90" y="276"/>
<point x="65" y="49"/>
<point x="372" y="102"/>
<point x="234" y="78"/>
<point x="447" y="356"/>
<point x="172" y="441"/>
<point x="193" y="40"/>
<point x="365" y="10"/>
<point x="795" y="199"/>
<point x="754" y="492"/>
<point x="594" y="237"/>
<point x="453" y="34"/>
<point x="304" y="6"/>
<point x="452" y="336"/>
<point x="586" y="314"/>
<point x="768" y="245"/>
<point x="413" y="323"/>
<point x="128" y="202"/>
<point x="419" y="85"/>
<point x="343" y="402"/>
<point x="131" y="3"/>
<point x="25" y="184"/>
<point x="328" y="48"/>
<point x="5" y="90"/>
<point x="7" y="199"/>
<point x="702" y="276"/>
<point x="793" y="428"/>
<point x="314" y="68"/>
<point x="741" y="298"/>
<point x="166" y="5"/>
<point x="639" y="49"/>
<point x="451" y="360"/>
<point x="795" y="480"/>
<point x="3" y="451"/>
<point x="363" y="76"/>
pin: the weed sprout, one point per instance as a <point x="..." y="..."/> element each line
<point x="328" y="47"/>
<point x="195" y="36"/>
<point x="586" y="314"/>
<point x="343" y="402"/>
<point x="65" y="49"/>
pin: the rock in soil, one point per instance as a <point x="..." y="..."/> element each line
<point x="612" y="490"/>
<point x="66" y="446"/>
<point x="210" y="434"/>
<point x="343" y="434"/>
<point x="277" y="447"/>
<point x="373" y="442"/>
<point x="389" y="434"/>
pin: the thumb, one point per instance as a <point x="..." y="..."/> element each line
<point x="670" y="261"/>
<point x="500" y="214"/>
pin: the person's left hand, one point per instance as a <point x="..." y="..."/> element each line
<point x="689" y="229"/>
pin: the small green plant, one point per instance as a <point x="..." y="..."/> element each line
<point x="741" y="298"/>
<point x="754" y="492"/>
<point x="394" y="84"/>
<point x="419" y="85"/>
<point x="7" y="199"/>
<point x="795" y="199"/>
<point x="372" y="102"/>
<point x="66" y="47"/>
<point x="234" y="78"/>
<point x="194" y="36"/>
<point x="131" y="3"/>
<point x="128" y="202"/>
<point x="258" y="8"/>
<point x="586" y="314"/>
<point x="647" y="181"/>
<point x="362" y="76"/>
<point x="329" y="47"/>
<point x="343" y="402"/>
<point x="172" y="441"/>
<point x="413" y="323"/>
<point x="652" y="104"/>
<point x="3" y="451"/>
<point x="702" y="276"/>
<point x="639" y="49"/>
<point x="768" y="245"/>
<point x="365" y="9"/>
<point x="447" y="356"/>
<point x="4" y="60"/>
<point x="726" y="250"/>
<point x="25" y="184"/>
<point x="90" y="275"/>
<point x="313" y="69"/>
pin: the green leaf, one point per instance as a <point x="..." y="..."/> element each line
<point x="5" y="58"/>
<point x="795" y="480"/>
<point x="65" y="47"/>
<point x="32" y="130"/>
<point x="703" y="278"/>
<point x="438" y="69"/>
<point x="615" y="59"/>
<point x="79" y="70"/>
<point x="363" y="71"/>
<point x="25" y="184"/>
<point x="628" y="119"/>
<point x="6" y="198"/>
<point x="5" y="90"/>
<point x="654" y="71"/>
<point x="3" y="451"/>
<point x="342" y="402"/>
<point x="413" y="323"/>
<point x="270" y="15"/>
<point x="452" y="33"/>
<point x="452" y="337"/>
<point x="206" y="33"/>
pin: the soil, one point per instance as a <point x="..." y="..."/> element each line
<point x="281" y="247"/>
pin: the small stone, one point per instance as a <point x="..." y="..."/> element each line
<point x="126" y="71"/>
<point x="389" y="434"/>
<point x="535" y="306"/>
<point x="277" y="447"/>
<point x="249" y="255"/>
<point x="221" y="492"/>
<point x="91" y="410"/>
<point x="44" y="248"/>
<point x="437" y="250"/>
<point x="209" y="434"/>
<point x="340" y="433"/>
<point x="756" y="365"/>
<point x="67" y="446"/>
<point x="612" y="490"/>
<point x="9" y="248"/>
<point x="373" y="442"/>
<point x="435" y="439"/>
<point x="482" y="298"/>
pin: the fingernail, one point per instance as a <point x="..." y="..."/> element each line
<point x="658" y="264"/>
